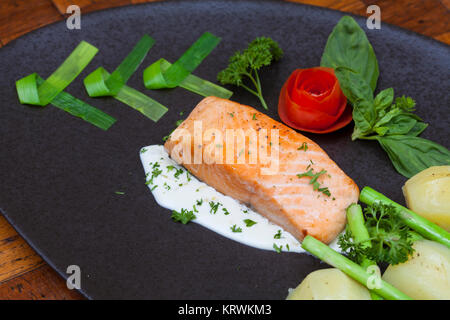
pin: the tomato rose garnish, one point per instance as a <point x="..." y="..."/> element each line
<point x="312" y="100"/>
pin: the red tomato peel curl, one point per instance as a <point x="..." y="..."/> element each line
<point x="312" y="100"/>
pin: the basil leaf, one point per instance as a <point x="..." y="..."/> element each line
<point x="400" y="124"/>
<point x="383" y="100"/>
<point x="353" y="85"/>
<point x="348" y="46"/>
<point x="397" y="121"/>
<point x="405" y="103"/>
<point x="410" y="154"/>
<point x="417" y="129"/>
<point x="364" y="118"/>
<point x="358" y="92"/>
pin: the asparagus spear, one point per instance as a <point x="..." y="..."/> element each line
<point x="355" y="221"/>
<point x="353" y="270"/>
<point x="416" y="222"/>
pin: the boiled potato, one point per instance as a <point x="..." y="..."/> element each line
<point x="329" y="284"/>
<point x="426" y="274"/>
<point x="428" y="194"/>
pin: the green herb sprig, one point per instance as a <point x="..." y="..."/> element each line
<point x="278" y="249"/>
<point x="389" y="237"/>
<point x="184" y="216"/>
<point x="214" y="206"/>
<point x="314" y="176"/>
<point x="156" y="171"/>
<point x="236" y="229"/>
<point x="303" y="147"/>
<point x="245" y="65"/>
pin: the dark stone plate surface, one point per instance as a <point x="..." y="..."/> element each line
<point x="58" y="174"/>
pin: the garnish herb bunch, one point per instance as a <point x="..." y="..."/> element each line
<point x="245" y="66"/>
<point x="391" y="122"/>
<point x="381" y="237"/>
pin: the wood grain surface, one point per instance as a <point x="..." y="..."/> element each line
<point x="23" y="274"/>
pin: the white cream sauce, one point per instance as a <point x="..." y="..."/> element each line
<point x="175" y="189"/>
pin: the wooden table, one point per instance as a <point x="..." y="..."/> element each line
<point x="23" y="274"/>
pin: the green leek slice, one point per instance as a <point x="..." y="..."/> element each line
<point x="100" y="83"/>
<point x="162" y="74"/>
<point x="96" y="86"/>
<point x="30" y="93"/>
<point x="191" y="82"/>
<point x="81" y="109"/>
<point x="34" y="90"/>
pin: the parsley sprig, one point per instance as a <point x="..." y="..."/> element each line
<point x="235" y="228"/>
<point x="245" y="65"/>
<point x="304" y="146"/>
<point x="178" y="172"/>
<point x="278" y="249"/>
<point x="390" y="238"/>
<point x="314" y="176"/>
<point x="277" y="235"/>
<point x="184" y="216"/>
<point x="156" y="171"/>
<point x="214" y="206"/>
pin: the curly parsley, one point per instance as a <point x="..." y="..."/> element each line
<point x="184" y="216"/>
<point x="214" y="206"/>
<point x="316" y="185"/>
<point x="259" y="53"/>
<point x="390" y="237"/>
<point x="234" y="228"/>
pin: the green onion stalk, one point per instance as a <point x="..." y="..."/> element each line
<point x="352" y="269"/>
<point x="422" y="226"/>
<point x="162" y="74"/>
<point x="355" y="221"/>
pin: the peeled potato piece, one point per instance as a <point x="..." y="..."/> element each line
<point x="426" y="274"/>
<point x="329" y="284"/>
<point x="428" y="194"/>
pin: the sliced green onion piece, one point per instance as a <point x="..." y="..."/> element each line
<point x="154" y="78"/>
<point x="421" y="225"/>
<point x="100" y="83"/>
<point x="83" y="110"/>
<point x="34" y="90"/>
<point x="328" y="255"/>
<point x="130" y="64"/>
<point x="67" y="71"/>
<point x="95" y="83"/>
<point x="163" y="74"/>
<point x="194" y="83"/>
<point x="80" y="109"/>
<point x="27" y="90"/>
<point x="137" y="100"/>
<point x="30" y="92"/>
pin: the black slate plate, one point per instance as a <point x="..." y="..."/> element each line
<point x="59" y="174"/>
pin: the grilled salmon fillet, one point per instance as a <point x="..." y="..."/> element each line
<point x="299" y="205"/>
